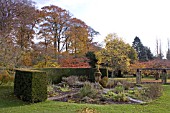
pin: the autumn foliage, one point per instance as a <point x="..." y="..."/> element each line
<point x="74" y="62"/>
<point x="155" y="64"/>
<point x="5" y="77"/>
<point x="31" y="36"/>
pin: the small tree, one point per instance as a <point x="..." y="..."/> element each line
<point x="116" y="54"/>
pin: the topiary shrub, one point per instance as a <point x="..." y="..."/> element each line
<point x="30" y="85"/>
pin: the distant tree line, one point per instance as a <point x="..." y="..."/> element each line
<point x="144" y="52"/>
<point x="52" y="36"/>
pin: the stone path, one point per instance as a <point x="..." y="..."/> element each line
<point x="62" y="96"/>
<point x="136" y="101"/>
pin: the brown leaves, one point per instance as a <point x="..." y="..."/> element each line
<point x="74" y="62"/>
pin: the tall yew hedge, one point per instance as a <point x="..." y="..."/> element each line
<point x="56" y="74"/>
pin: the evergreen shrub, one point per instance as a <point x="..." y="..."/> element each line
<point x="30" y="85"/>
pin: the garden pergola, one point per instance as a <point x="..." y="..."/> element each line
<point x="163" y="74"/>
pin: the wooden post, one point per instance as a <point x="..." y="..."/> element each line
<point x="164" y="76"/>
<point x="138" y="76"/>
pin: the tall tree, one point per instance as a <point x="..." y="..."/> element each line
<point x="58" y="20"/>
<point x="7" y="15"/>
<point x="44" y="35"/>
<point x="14" y="16"/>
<point x="159" y="54"/>
<point x="78" y="37"/>
<point x="25" y="21"/>
<point x="144" y="53"/>
<point x="168" y="52"/>
<point x="149" y="53"/>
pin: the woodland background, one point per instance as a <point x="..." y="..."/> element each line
<point x="53" y="37"/>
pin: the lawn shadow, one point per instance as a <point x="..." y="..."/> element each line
<point x="8" y="99"/>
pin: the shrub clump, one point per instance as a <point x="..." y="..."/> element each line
<point x="5" y="77"/>
<point x="51" y="92"/>
<point x="104" y="81"/>
<point x="118" y="97"/>
<point x="119" y="88"/>
<point x="126" y="84"/>
<point x="154" y="91"/>
<point x="88" y="90"/>
<point x="71" y="80"/>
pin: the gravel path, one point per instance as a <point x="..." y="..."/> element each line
<point x="62" y="96"/>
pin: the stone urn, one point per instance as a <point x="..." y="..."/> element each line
<point x="97" y="75"/>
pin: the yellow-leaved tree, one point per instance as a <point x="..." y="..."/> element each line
<point x="116" y="54"/>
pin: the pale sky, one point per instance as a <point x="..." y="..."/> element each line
<point x="147" y="19"/>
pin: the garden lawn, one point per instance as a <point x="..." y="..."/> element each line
<point x="10" y="104"/>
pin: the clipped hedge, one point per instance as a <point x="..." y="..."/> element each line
<point x="30" y="86"/>
<point x="56" y="74"/>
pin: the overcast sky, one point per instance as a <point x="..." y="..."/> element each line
<point x="147" y="19"/>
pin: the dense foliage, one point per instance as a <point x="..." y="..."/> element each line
<point x="117" y="54"/>
<point x="144" y="53"/>
<point x="92" y="59"/>
<point x="30" y="86"/>
<point x="6" y="76"/>
<point x="56" y="74"/>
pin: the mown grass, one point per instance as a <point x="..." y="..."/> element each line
<point x="10" y="104"/>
